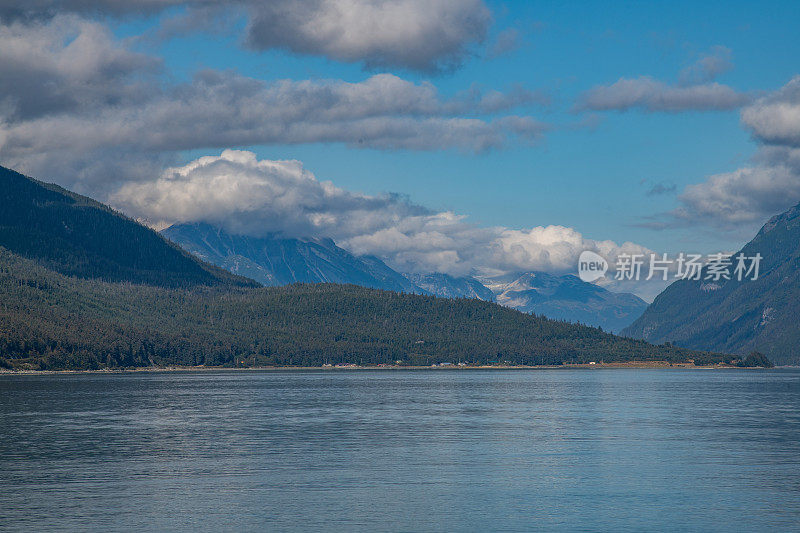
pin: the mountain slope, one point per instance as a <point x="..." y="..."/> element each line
<point x="569" y="298"/>
<point x="50" y="321"/>
<point x="279" y="261"/>
<point x="77" y="236"/>
<point x="738" y="316"/>
<point x="446" y="286"/>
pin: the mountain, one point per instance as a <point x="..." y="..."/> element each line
<point x="77" y="236"/>
<point x="446" y="286"/>
<point x="276" y="261"/>
<point x="569" y="298"/>
<point x="737" y="316"/>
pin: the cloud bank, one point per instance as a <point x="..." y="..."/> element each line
<point x="422" y="35"/>
<point x="255" y="197"/>
<point x="83" y="109"/>
<point x="775" y="119"/>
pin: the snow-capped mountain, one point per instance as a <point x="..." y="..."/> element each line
<point x="567" y="298"/>
<point x="281" y="261"/>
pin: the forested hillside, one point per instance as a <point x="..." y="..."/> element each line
<point x="50" y="321"/>
<point x="77" y="236"/>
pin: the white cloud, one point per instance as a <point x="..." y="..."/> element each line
<point x="66" y="65"/>
<point x="258" y="197"/>
<point x="83" y="109"/>
<point x="746" y="195"/>
<point x="696" y="90"/>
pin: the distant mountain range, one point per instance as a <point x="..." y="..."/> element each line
<point x="737" y="316"/>
<point x="569" y="298"/>
<point x="276" y="261"/>
<point x="82" y="287"/>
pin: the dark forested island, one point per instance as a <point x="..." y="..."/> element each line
<point x="82" y="287"/>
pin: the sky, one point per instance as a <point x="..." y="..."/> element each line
<point x="463" y="136"/>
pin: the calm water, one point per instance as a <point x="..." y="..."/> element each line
<point x="402" y="450"/>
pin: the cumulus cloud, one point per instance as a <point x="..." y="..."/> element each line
<point x="258" y="197"/>
<point x="424" y="35"/>
<point x="745" y="195"/>
<point x="649" y="94"/>
<point x="248" y="196"/>
<point x="775" y="119"/>
<point x="220" y="109"/>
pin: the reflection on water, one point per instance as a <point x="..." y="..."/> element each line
<point x="402" y="450"/>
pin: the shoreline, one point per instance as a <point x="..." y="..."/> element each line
<point x="639" y="365"/>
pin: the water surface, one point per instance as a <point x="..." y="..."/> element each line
<point x="399" y="450"/>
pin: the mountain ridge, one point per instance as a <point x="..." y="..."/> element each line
<point x="447" y="286"/>
<point x="274" y="261"/>
<point x="78" y="236"/>
<point x="737" y="316"/>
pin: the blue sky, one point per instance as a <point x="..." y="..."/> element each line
<point x="612" y="171"/>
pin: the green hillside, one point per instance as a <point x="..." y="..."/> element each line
<point x="78" y="236"/>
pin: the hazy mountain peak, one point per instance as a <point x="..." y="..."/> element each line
<point x="277" y="260"/>
<point x="566" y="297"/>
